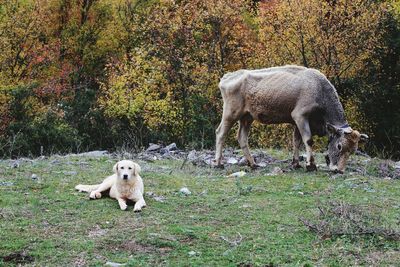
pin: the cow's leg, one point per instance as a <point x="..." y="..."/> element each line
<point x="305" y="132"/>
<point x="221" y="133"/>
<point x="243" y="136"/>
<point x="296" y="148"/>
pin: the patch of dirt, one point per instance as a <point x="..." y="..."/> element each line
<point x="377" y="258"/>
<point x="7" y="214"/>
<point x="187" y="240"/>
<point x="80" y="260"/>
<point x="96" y="231"/>
<point x="18" y="258"/>
<point x="133" y="246"/>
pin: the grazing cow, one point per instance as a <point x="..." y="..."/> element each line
<point x="289" y="94"/>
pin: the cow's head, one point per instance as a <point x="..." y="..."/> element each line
<point x="343" y="141"/>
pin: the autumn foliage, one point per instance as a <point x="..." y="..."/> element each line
<point x="86" y="74"/>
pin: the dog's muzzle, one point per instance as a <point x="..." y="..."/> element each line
<point x="125" y="176"/>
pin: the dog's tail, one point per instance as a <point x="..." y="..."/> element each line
<point x="86" y="188"/>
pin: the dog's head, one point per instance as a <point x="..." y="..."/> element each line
<point x="126" y="169"/>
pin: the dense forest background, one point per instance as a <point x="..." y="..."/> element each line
<point x="88" y="74"/>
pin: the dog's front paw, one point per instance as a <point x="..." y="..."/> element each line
<point x="123" y="206"/>
<point x="137" y="209"/>
<point x="94" y="195"/>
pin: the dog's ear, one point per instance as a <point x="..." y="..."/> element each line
<point x="137" y="169"/>
<point x="115" y="168"/>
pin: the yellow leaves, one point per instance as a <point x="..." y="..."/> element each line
<point x="138" y="88"/>
<point x="34" y="106"/>
<point x="335" y="37"/>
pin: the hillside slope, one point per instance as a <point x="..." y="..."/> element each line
<point x="272" y="216"/>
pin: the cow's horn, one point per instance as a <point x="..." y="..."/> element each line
<point x="364" y="137"/>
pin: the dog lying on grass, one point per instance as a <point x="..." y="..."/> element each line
<point x="125" y="184"/>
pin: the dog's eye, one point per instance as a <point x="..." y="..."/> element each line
<point x="130" y="168"/>
<point x="122" y="168"/>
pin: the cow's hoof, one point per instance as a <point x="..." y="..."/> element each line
<point x="296" y="164"/>
<point x="311" y="167"/>
<point x="337" y="172"/>
<point x="255" y="166"/>
<point x="218" y="166"/>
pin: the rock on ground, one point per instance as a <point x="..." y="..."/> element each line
<point x="153" y="147"/>
<point x="114" y="264"/>
<point x="185" y="191"/>
<point x="95" y="153"/>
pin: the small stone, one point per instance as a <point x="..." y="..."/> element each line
<point x="159" y="199"/>
<point x="192" y="253"/>
<point x="185" y="191"/>
<point x="208" y="161"/>
<point x="171" y="147"/>
<point x="114" y="264"/>
<point x="6" y="183"/>
<point x="262" y="164"/>
<point x="155" y="196"/>
<point x="95" y="153"/>
<point x="275" y="171"/>
<point x="242" y="161"/>
<point x="232" y="161"/>
<point x="153" y="147"/>
<point x="150" y="193"/>
<point x="237" y="174"/>
<point x="192" y="155"/>
<point x="164" y="151"/>
<point x="397" y="165"/>
<point x="34" y="176"/>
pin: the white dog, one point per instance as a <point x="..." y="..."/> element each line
<point x="124" y="184"/>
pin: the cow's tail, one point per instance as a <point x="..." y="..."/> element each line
<point x="86" y="188"/>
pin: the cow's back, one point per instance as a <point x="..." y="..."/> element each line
<point x="270" y="95"/>
<point x="242" y="79"/>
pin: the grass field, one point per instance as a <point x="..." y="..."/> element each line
<point x="290" y="219"/>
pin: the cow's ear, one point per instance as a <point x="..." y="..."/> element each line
<point x="363" y="138"/>
<point x="332" y="129"/>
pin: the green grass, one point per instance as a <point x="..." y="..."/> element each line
<point x="247" y="221"/>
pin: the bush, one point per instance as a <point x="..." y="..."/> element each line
<point x="35" y="128"/>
